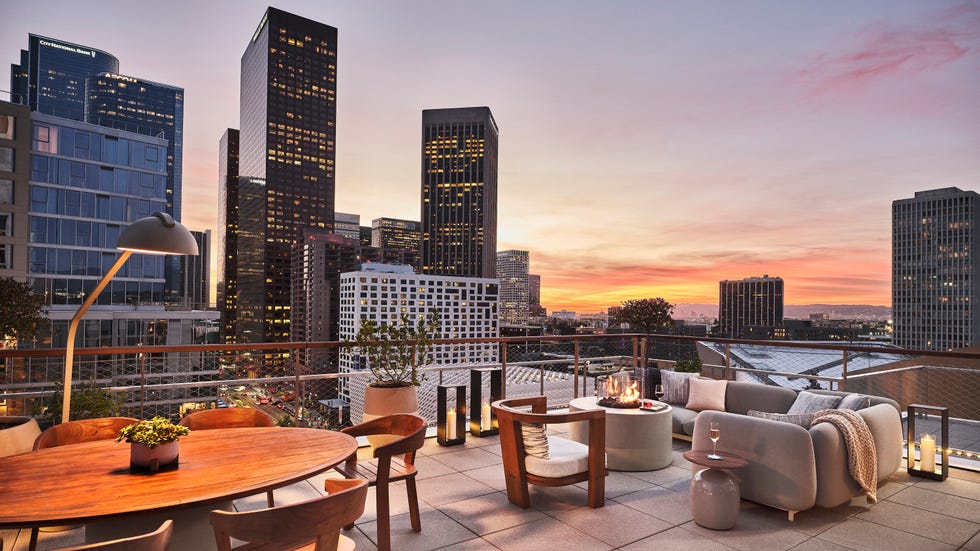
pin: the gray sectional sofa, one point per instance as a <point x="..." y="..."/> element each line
<point x="791" y="467"/>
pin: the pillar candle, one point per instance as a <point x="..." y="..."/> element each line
<point x="927" y="452"/>
<point x="485" y="423"/>
<point x="451" y="424"/>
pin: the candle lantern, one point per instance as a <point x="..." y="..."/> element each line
<point x="928" y="443"/>
<point x="482" y="420"/>
<point x="450" y="415"/>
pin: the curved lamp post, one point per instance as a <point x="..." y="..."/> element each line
<point x="155" y="234"/>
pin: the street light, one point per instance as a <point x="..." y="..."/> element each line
<point x="158" y="233"/>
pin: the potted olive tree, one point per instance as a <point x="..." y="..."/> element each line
<point x="395" y="352"/>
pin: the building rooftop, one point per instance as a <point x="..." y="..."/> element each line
<point x="464" y="506"/>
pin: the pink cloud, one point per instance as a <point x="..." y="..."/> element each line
<point x="886" y="52"/>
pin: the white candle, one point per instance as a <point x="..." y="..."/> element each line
<point x="451" y="424"/>
<point x="485" y="423"/>
<point x="927" y="452"/>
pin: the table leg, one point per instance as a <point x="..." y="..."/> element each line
<point x="715" y="499"/>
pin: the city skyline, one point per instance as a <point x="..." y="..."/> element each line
<point x="645" y="149"/>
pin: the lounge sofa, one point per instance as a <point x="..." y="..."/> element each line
<point x="791" y="467"/>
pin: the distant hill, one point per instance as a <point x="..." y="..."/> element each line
<point x="693" y="311"/>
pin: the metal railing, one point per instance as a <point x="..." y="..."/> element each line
<point x="300" y="384"/>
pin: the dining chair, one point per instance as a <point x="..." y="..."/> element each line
<point x="156" y="540"/>
<point x="82" y="430"/>
<point x="392" y="461"/>
<point x="298" y="524"/>
<point x="228" y="418"/>
<point x="76" y="432"/>
<point x="530" y="456"/>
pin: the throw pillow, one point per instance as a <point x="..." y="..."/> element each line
<point x="675" y="386"/>
<point x="706" y="394"/>
<point x="809" y="402"/>
<point x="535" y="440"/>
<point x="804" y="419"/>
<point x="854" y="401"/>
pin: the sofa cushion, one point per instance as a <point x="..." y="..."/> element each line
<point x="803" y="419"/>
<point x="535" y="439"/>
<point x="706" y="394"/>
<point x="854" y="401"/>
<point x="567" y="457"/>
<point x="810" y="402"/>
<point x="675" y="386"/>
<point x="682" y="420"/>
<point x="741" y="396"/>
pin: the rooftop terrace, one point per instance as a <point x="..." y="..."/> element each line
<point x="465" y="507"/>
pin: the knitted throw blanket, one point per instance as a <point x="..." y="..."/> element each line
<point x="862" y="457"/>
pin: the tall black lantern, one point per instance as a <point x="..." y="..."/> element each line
<point x="927" y="444"/>
<point x="482" y="420"/>
<point x="450" y="415"/>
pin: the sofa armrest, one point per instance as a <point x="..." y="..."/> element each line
<point x="781" y="470"/>
<point x="834" y="483"/>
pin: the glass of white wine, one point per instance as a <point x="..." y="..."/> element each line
<point x="714" y="433"/>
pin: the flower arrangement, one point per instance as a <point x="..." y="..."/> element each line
<point x="152" y="433"/>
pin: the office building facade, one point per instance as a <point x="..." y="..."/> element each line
<point x="51" y="76"/>
<point x="15" y="196"/>
<point x="287" y="142"/>
<point x="394" y="233"/>
<point x="744" y="303"/>
<point x="459" y="192"/>
<point x="227" y="235"/>
<point x="348" y="225"/>
<point x="512" y="270"/>
<point x="935" y="244"/>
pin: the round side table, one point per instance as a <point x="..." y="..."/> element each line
<point x="715" y="497"/>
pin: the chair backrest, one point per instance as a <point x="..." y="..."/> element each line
<point x="82" y="430"/>
<point x="513" y="413"/>
<point x="227" y="418"/>
<point x="411" y="429"/>
<point x="289" y="526"/>
<point x="156" y="540"/>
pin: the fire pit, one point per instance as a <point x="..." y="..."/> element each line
<point x="621" y="390"/>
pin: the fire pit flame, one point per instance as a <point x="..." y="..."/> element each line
<point x="620" y="391"/>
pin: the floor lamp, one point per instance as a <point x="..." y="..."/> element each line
<point x="155" y="234"/>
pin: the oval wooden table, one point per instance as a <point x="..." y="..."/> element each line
<point x="82" y="483"/>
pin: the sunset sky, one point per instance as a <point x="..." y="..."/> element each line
<point x="646" y="148"/>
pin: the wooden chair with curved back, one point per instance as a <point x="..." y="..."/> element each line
<point x="393" y="461"/>
<point x="76" y="432"/>
<point x="228" y="418"/>
<point x="156" y="540"/>
<point x="567" y="463"/>
<point x="82" y="430"/>
<point x="291" y="526"/>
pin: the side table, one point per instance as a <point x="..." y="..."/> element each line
<point x="715" y="497"/>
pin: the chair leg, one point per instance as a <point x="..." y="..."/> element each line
<point x="269" y="499"/>
<point x="413" y="504"/>
<point x="384" y="518"/>
<point x="32" y="546"/>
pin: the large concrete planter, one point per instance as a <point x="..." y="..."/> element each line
<point x="381" y="401"/>
<point x="17" y="434"/>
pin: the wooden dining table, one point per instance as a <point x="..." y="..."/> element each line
<point x="92" y="481"/>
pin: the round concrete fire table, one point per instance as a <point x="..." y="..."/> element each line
<point x="636" y="439"/>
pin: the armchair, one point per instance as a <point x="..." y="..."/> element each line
<point x="568" y="462"/>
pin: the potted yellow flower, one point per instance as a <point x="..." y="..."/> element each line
<point x="153" y="444"/>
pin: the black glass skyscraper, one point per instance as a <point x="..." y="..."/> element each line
<point x="228" y="233"/>
<point x="287" y="140"/>
<point x="51" y="76"/>
<point x="459" y="192"/>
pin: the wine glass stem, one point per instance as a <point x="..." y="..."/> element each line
<point x="714" y="448"/>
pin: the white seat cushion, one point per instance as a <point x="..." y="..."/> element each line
<point x="566" y="457"/>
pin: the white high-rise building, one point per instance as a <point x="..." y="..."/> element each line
<point x="935" y="244"/>
<point x="468" y="308"/>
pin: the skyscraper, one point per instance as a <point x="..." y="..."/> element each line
<point x="512" y="267"/>
<point x="287" y="134"/>
<point x="935" y="247"/>
<point x="396" y="234"/>
<point x="51" y="76"/>
<point x="753" y="301"/>
<point x="227" y="288"/>
<point x="459" y="192"/>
